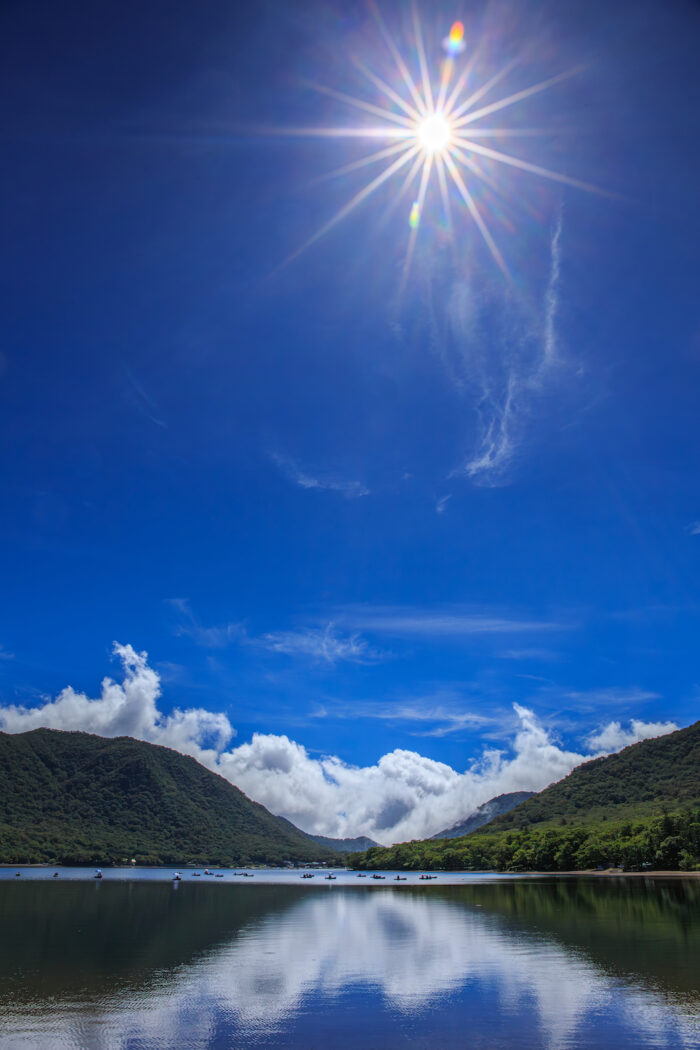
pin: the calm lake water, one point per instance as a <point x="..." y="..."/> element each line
<point x="136" y="962"/>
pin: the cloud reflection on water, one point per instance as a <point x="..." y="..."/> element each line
<point x="403" y="952"/>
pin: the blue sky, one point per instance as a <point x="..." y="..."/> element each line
<point x="362" y="512"/>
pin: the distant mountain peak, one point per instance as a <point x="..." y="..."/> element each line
<point x="355" y="845"/>
<point x="495" y="807"/>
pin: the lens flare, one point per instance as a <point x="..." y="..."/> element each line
<point x="454" y="43"/>
<point x="432" y="130"/>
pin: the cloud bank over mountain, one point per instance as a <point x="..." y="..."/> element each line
<point x="404" y="795"/>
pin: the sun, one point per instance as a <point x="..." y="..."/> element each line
<point x="435" y="125"/>
<point x="434" y="133"/>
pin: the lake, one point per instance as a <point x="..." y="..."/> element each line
<point x="137" y="962"/>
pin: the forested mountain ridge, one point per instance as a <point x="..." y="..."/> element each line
<point x="641" y="779"/>
<point x="77" y="798"/>
<point x="637" y="809"/>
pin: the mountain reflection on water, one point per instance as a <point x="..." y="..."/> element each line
<point x="551" y="963"/>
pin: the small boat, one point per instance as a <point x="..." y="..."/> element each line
<point x="308" y="875"/>
<point x="400" y="878"/>
<point x="177" y="877"/>
<point x="361" y="875"/>
<point x="206" y="871"/>
<point x="55" y="875"/>
<point x="17" y="874"/>
<point x="329" y="876"/>
<point x="196" y="875"/>
<point x="378" y="876"/>
<point x="98" y="874"/>
<point x="219" y="875"/>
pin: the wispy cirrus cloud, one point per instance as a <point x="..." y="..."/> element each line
<point x="529" y="654"/>
<point x="140" y="400"/>
<point x="214" y="637"/>
<point x="432" y="715"/>
<point x="694" y="528"/>
<point x="448" y="722"/>
<point x="306" y="480"/>
<point x="321" y="644"/>
<point x="4" y="655"/>
<point x="444" y="622"/>
<point x="551" y="299"/>
<point x="502" y="351"/>
<point x="591" y="698"/>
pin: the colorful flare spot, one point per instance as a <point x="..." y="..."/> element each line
<point x="414" y="217"/>
<point x="454" y="43"/>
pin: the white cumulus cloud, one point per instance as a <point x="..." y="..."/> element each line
<point x="127" y="708"/>
<point x="403" y="796"/>
<point x="613" y="736"/>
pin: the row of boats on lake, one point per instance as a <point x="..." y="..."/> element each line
<point x="177" y="877"/>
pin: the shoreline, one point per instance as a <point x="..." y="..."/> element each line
<point x="352" y="872"/>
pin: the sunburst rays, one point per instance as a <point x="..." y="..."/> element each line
<point x="430" y="127"/>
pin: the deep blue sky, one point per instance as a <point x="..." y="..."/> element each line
<point x="213" y="457"/>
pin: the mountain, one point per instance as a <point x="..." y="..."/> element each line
<point x="345" y="845"/>
<point x="495" y="807"/>
<point x="83" y="799"/>
<point x="642" y="779"/>
<point x="638" y="809"/>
